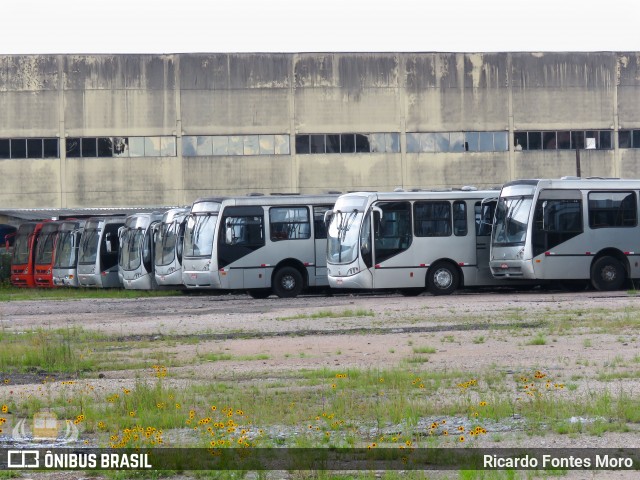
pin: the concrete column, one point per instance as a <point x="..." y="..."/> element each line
<point x="512" y="157"/>
<point x="62" y="143"/>
<point x="181" y="195"/>
<point x="295" y="163"/>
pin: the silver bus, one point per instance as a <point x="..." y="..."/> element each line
<point x="65" y="266"/>
<point x="98" y="253"/>
<point x="262" y="244"/>
<point x="570" y="230"/>
<point x="169" y="233"/>
<point x="135" y="263"/>
<point x="411" y="241"/>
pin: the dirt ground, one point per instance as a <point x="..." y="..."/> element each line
<point x="471" y="331"/>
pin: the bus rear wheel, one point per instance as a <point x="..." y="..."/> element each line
<point x="287" y="282"/>
<point x="442" y="279"/>
<point x="608" y="274"/>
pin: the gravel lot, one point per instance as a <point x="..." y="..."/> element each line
<point x="471" y="331"/>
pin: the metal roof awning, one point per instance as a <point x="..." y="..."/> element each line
<point x="29" y="214"/>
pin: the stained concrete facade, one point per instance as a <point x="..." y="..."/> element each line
<point x="66" y="96"/>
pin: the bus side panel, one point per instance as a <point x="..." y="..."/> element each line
<point x="256" y="278"/>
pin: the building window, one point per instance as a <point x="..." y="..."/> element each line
<point x="348" y="143"/>
<point x="29" y="148"/>
<point x="107" y="147"/>
<point x="563" y="140"/>
<point x="448" y="142"/>
<point x="235" y="145"/>
<point x="629" y="139"/>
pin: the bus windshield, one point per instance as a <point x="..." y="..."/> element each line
<point x="44" y="252"/>
<point x="512" y="218"/>
<point x="21" y="248"/>
<point x="343" y="236"/>
<point x="166" y="243"/>
<point x="89" y="246"/>
<point x="65" y="253"/>
<point x="198" y="235"/>
<point x="130" y="257"/>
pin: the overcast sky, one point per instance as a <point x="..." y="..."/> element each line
<point x="162" y="26"/>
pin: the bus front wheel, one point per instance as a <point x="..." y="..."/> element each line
<point x="442" y="279"/>
<point x="287" y="282"/>
<point x="608" y="274"/>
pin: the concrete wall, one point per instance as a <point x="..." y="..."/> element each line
<point x="239" y="94"/>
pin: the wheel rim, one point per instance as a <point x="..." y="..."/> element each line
<point x="442" y="278"/>
<point x="288" y="282"/>
<point x="609" y="273"/>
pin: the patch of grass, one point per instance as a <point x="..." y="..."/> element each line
<point x="214" y="357"/>
<point x="478" y="340"/>
<point x="9" y="293"/>
<point x="425" y="349"/>
<point x="539" y="339"/>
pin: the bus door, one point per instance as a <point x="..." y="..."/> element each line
<point x="483" y="212"/>
<point x="241" y="237"/>
<point x="392" y="236"/>
<point x="320" y="243"/>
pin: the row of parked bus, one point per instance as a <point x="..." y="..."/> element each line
<point x="571" y="231"/>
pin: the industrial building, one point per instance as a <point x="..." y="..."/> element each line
<point x="81" y="131"/>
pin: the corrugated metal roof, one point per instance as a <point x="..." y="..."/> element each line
<point x="61" y="213"/>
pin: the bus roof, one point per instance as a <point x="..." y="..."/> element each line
<point x="578" y="183"/>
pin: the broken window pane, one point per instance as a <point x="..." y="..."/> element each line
<point x="251" y="145"/>
<point x="105" y="147"/>
<point x="362" y="143"/>
<point x="50" y="148"/>
<point x="520" y="141"/>
<point x="624" y="139"/>
<point x="377" y="142"/>
<point x="34" y="148"/>
<point x="605" y="140"/>
<point x="204" y="146"/>
<point x="89" y="147"/>
<point x="120" y="146"/>
<point x="136" y="146"/>
<point x="267" y="146"/>
<point x="635" y="140"/>
<point x="221" y="145"/>
<point x="168" y="146"/>
<point x="236" y="145"/>
<point x="73" y="147"/>
<point x="282" y="144"/>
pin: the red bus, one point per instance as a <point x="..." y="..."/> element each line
<point x="45" y="254"/>
<point x="24" y="252"/>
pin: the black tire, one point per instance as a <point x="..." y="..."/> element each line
<point x="442" y="278"/>
<point x="287" y="282"/>
<point x="608" y="274"/>
<point x="260" y="294"/>
<point x="411" y="292"/>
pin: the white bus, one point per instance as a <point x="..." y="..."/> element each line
<point x="65" y="267"/>
<point x="411" y="241"/>
<point x="169" y="234"/>
<point x="262" y="244"/>
<point x="135" y="262"/>
<point x="98" y="254"/>
<point x="568" y="230"/>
